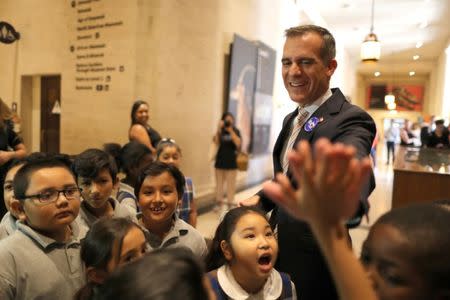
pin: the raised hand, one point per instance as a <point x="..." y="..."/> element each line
<point x="329" y="182"/>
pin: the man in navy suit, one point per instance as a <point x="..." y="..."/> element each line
<point x="307" y="65"/>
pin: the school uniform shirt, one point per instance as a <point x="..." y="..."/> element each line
<point x="181" y="235"/>
<point x="34" y="266"/>
<point x="7" y="225"/>
<point x="126" y="197"/>
<point x="119" y="211"/>
<point x="271" y="291"/>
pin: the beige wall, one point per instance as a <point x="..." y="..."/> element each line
<point x="437" y="86"/>
<point x="173" y="53"/>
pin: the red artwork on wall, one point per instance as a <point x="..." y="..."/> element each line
<point x="408" y="97"/>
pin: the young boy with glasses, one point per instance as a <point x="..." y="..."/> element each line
<point x="41" y="259"/>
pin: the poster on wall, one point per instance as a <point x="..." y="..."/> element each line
<point x="242" y="87"/>
<point x="408" y="97"/>
<point x="262" y="114"/>
<point x="252" y="70"/>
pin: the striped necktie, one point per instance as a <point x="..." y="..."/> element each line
<point x="298" y="123"/>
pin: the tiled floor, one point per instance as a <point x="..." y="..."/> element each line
<point x="380" y="202"/>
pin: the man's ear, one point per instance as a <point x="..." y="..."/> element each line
<point x="95" y="275"/>
<point x="332" y="65"/>
<point x="226" y="250"/>
<point x="17" y="209"/>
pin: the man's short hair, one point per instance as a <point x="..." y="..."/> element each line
<point x="439" y="122"/>
<point x="328" y="49"/>
<point x="90" y="162"/>
<point x="22" y="178"/>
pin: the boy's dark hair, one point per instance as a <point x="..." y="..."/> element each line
<point x="97" y="246"/>
<point x="215" y="258"/>
<point x="21" y="161"/>
<point x="134" y="109"/>
<point x="427" y="228"/>
<point x="169" y="273"/>
<point x="131" y="155"/>
<point x="22" y="178"/>
<point x="157" y="168"/>
<point x="90" y="162"/>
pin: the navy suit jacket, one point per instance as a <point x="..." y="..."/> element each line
<point x="299" y="254"/>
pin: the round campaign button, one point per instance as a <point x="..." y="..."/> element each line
<point x="311" y="123"/>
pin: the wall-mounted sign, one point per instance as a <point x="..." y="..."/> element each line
<point x="8" y="34"/>
<point x="56" y="108"/>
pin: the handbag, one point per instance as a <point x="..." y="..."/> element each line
<point x="242" y="161"/>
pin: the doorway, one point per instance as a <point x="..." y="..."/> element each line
<point x="50" y="113"/>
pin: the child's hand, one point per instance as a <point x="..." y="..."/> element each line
<point x="329" y="185"/>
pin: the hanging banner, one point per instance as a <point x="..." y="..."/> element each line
<point x="8" y="34"/>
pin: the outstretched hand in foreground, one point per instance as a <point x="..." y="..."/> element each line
<point x="329" y="186"/>
<point x="330" y="181"/>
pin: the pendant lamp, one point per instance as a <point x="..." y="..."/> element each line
<point x="371" y="47"/>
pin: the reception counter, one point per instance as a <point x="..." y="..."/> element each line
<point x="420" y="175"/>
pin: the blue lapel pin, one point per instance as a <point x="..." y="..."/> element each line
<point x="311" y="123"/>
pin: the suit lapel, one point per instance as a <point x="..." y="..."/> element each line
<point x="323" y="113"/>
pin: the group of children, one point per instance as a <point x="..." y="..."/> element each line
<point x="73" y="231"/>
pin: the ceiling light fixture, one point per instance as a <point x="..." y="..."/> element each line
<point x="371" y="47"/>
<point x="376" y="74"/>
<point x="412" y="73"/>
<point x="416" y="57"/>
<point x="419" y="44"/>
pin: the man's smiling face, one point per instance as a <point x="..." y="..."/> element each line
<point x="306" y="77"/>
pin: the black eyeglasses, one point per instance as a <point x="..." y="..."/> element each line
<point x="44" y="198"/>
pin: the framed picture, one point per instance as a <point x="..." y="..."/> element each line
<point x="408" y="97"/>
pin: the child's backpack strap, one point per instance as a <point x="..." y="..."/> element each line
<point x="286" y="292"/>
<point x="220" y="294"/>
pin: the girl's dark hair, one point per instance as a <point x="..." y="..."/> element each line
<point x="164" y="274"/>
<point x="427" y="228"/>
<point x="129" y="156"/>
<point x="166" y="142"/>
<point x="157" y="168"/>
<point x="226" y="114"/>
<point x="215" y="258"/>
<point x="97" y="247"/>
<point x="134" y="109"/>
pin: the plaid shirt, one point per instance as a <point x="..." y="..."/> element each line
<point x="185" y="208"/>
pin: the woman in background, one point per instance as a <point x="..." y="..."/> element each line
<point x="228" y="141"/>
<point x="11" y="146"/>
<point x="140" y="130"/>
